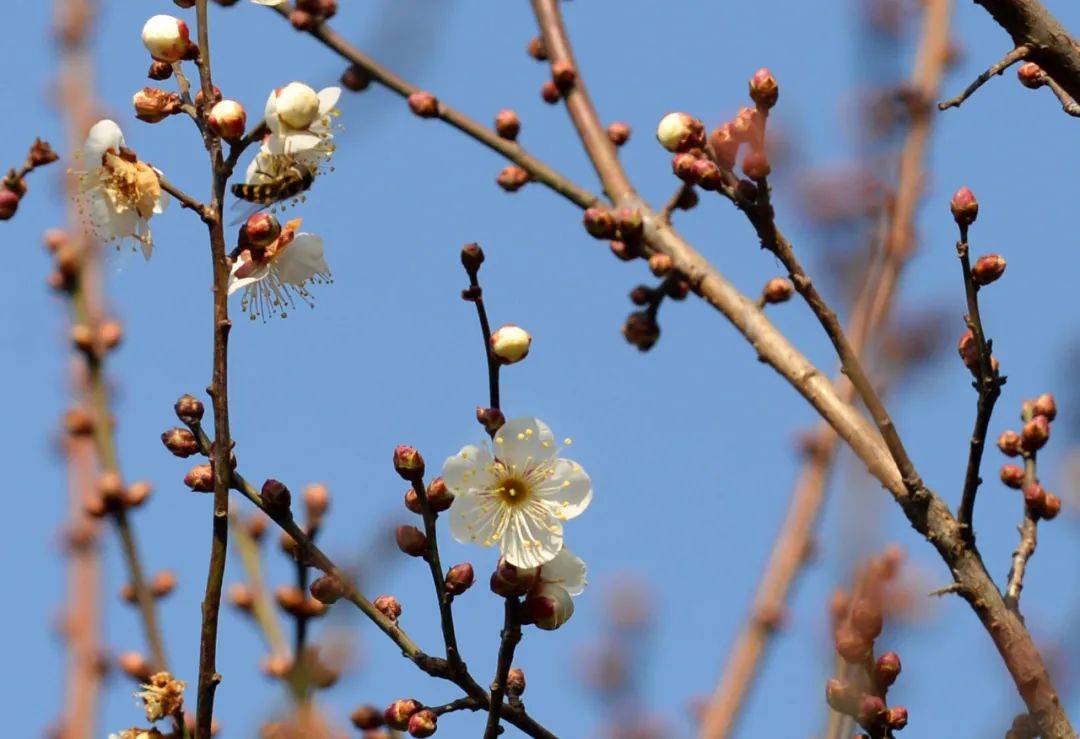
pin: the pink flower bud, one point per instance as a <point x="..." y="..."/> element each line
<point x="618" y="133"/>
<point x="964" y="207"/>
<point x="1009" y="443"/>
<point x="536" y="49"/>
<point x="852" y="645"/>
<point x="510" y="343"/>
<point x="228" y="120"/>
<point x="399" y="712"/>
<point x="408" y="463"/>
<point x="1031" y="75"/>
<point x="987" y="269"/>
<point x="599" y="222"/>
<point x="512" y="178"/>
<point x="507" y="124"/>
<point x="549" y="91"/>
<point x="755" y="165"/>
<point x="725" y="145"/>
<point x="680" y="132"/>
<point x="166" y="38"/>
<point x="1034" y="497"/>
<point x="842" y="696"/>
<point x="423" y="723"/>
<point x="424" y="104"/>
<point x="968" y="350"/>
<point x="1051" y="506"/>
<point x="459" y="578"/>
<point x="871" y="710"/>
<point x="630" y="224"/>
<point x="1035" y="434"/>
<point x="661" y="264"/>
<point x="388" y="606"/>
<point x="9" y="203"/>
<point x="515" y="682"/>
<point x="896" y="717"/>
<point x="866" y="618"/>
<point x="764" y="89"/>
<point x="778" y="290"/>
<point x="707" y="175"/>
<point x="1012" y="476"/>
<point x="180" y="442"/>
<point x="411" y="540"/>
<point x="200" y="478"/>
<point x="548" y="607"/>
<point x="1045" y="406"/>
<point x="510" y="581"/>
<point x="887" y="668"/>
<point x="683" y="166"/>
<point x="563" y="75"/>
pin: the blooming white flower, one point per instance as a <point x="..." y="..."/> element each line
<point x="118" y="193"/>
<point x="299" y="119"/>
<point x="566" y="571"/>
<point x="517" y="497"/>
<point x="549" y="604"/>
<point x="270" y="276"/>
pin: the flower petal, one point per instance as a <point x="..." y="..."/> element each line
<point x="568" y="490"/>
<point x="103" y="135"/>
<point x="566" y="570"/>
<point x="468" y="470"/>
<point x="302" y="260"/>
<point x="522" y="442"/>
<point x="473" y="519"/>
<point x="532" y="537"/>
<point x="238" y="283"/>
<point x="328" y="98"/>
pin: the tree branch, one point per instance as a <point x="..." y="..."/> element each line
<point x="997" y="68"/>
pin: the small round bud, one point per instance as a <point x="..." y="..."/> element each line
<point x="153" y="105"/>
<point x="327" y="589"/>
<point x="563" y="75"/>
<point x="887" y="668"/>
<point x="228" y="120"/>
<point x="411" y="540"/>
<point x="510" y="581"/>
<point x="78" y="422"/>
<point x="297" y="105"/>
<point x="1051" y="506"/>
<point x="642" y="295"/>
<point x="661" y="264"/>
<point x="424" y="104"/>
<point x="515" y="682"/>
<point x="683" y="166"/>
<point x="189" y="410"/>
<point x="548" y="607"/>
<point x="166" y="38"/>
<point x="492" y="419"/>
<point x="964" y="207"/>
<point x="1009" y="443"/>
<point x="135" y="666"/>
<point x="241" y="597"/>
<point x="366" y="718"/>
<point x="507" y="124"/>
<point x="302" y="20"/>
<point x="439" y="496"/>
<point x="725" y="145"/>
<point x="866" y="618"/>
<point x="276" y="499"/>
<point x="968" y="350"/>
<point x="641" y="330"/>
<point x="1035" y="434"/>
<point x="163" y="583"/>
<point x="316" y="502"/>
<point x="842" y="696"/>
<point x="510" y="343"/>
<point x="1044" y="406"/>
<point x="423" y="723"/>
<point x="1034" y="497"/>
<point x="764" y="89"/>
<point x="896" y="717"/>
<point x="289" y="598"/>
<point x="871" y="710"/>
<point x="180" y="442"/>
<point x="159" y="71"/>
<point x="599" y="222"/>
<point x="200" y="478"/>
<point x="1031" y="75"/>
<point x="110" y="334"/>
<point x="399" y="712"/>
<point x="408" y="462"/>
<point x="472" y="256"/>
<point x="777" y="290"/>
<point x="549" y="91"/>
<point x="707" y="175"/>
<point x="260" y="230"/>
<point x="215" y="95"/>
<point x="82" y="337"/>
<point x="536" y="49"/>
<point x="852" y="645"/>
<point x="623" y="251"/>
<point x="680" y="132"/>
<point x="388" y="606"/>
<point x="987" y="269"/>
<point x="1012" y="476"/>
<point x="459" y="578"/>
<point x="630" y="223"/>
<point x="355" y="79"/>
<point x="755" y="165"/>
<point x="138" y="493"/>
<point x="512" y="178"/>
<point x="618" y="133"/>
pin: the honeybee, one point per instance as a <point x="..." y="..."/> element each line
<point x="294" y="178"/>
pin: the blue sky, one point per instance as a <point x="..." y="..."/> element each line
<point x="689" y="446"/>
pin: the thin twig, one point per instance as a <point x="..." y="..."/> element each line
<point x="509" y="638"/>
<point x="1028" y="529"/>
<point x="997" y="68"/>
<point x="672" y="204"/>
<point x="182" y="197"/>
<point x="475" y="294"/>
<point x="1068" y="104"/>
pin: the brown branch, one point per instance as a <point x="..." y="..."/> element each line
<point x="997" y="68"/>
<point x="509" y="638"/>
<point x="185" y="200"/>
<point x="1028" y="529"/>
<point x="475" y="294"/>
<point x="870" y="311"/>
<point x="1068" y="105"/>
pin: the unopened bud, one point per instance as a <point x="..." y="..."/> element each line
<point x="866" y="618"/>
<point x="842" y="696"/>
<point x="355" y="79"/>
<point x="366" y="718"/>
<point x="618" y="133"/>
<point x="778" y="290"/>
<point x="682" y="165"/>
<point x="987" y="269"/>
<point x="388" y="606"/>
<point x="871" y="710"/>
<point x="764" y="89"/>
<point x="439" y="496"/>
<point x="200" y="478"/>
<point x="135" y="666"/>
<point x="852" y="645"/>
<point x="536" y="49"/>
<point x="661" y="264"/>
<point x="1044" y="406"/>
<point x="680" y="132"/>
<point x="563" y="75"/>
<point x="78" y="422"/>
<point x="316" y="502"/>
<point x="424" y="104"/>
<point x="459" y="578"/>
<point x="622" y="251"/>
<point x="1009" y="443"/>
<point x="241" y="597"/>
<point x="510" y="581"/>
<point x="507" y="124"/>
<point x="707" y="175"/>
<point x="163" y="583"/>
<point x="411" y="540"/>
<point x="964" y="207"/>
<point x="166" y="38"/>
<point x="887" y="669"/>
<point x="9" y="203"/>
<point x="510" y="343"/>
<point x="408" y="462"/>
<point x="327" y="589"/>
<point x="492" y="419"/>
<point x="189" y="410"/>
<point x="302" y="20"/>
<point x="1031" y="75"/>
<point x="515" y="682"/>
<point x="548" y="607"/>
<point x="153" y="105"/>
<point x="1012" y="476"/>
<point x="1051" y="506"/>
<point x="725" y="145"/>
<point x="755" y="164"/>
<point x="160" y="71"/>
<point x="896" y="717"/>
<point x="180" y="442"/>
<point x="968" y="349"/>
<point x="599" y="222"/>
<point x="110" y="334"/>
<point x="1034" y="497"/>
<point x="472" y="256"/>
<point x="228" y="120"/>
<point x="399" y="712"/>
<point x="423" y="723"/>
<point x="82" y="337"/>
<point x="1035" y="434"/>
<point x="630" y="224"/>
<point x="512" y="178"/>
<point x="641" y="330"/>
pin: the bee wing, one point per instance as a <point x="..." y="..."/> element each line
<point x="243" y="209"/>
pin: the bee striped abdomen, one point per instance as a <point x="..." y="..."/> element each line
<point x="294" y="181"/>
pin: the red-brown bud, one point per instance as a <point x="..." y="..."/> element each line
<point x="163" y="583"/>
<point x="707" y="175"/>
<point x="510" y="581"/>
<point x="549" y="91"/>
<point x="764" y="89"/>
<point x="424" y="104"/>
<point x="1051" y="506"/>
<point x="411" y="540"/>
<point x="439" y="496"/>
<point x="399" y="712"/>
<point x="423" y="723"/>
<point x="1031" y="75"/>
<point x="777" y="290"/>
<point x="661" y="264"/>
<point x="459" y="578"/>
<point x="618" y="133"/>
<point x="135" y="666"/>
<point x="180" y="442"/>
<point x="78" y="422"/>
<point x="964" y="207"/>
<point x="622" y="251"/>
<point x="366" y="718"/>
<point x="408" y="463"/>
<point x="327" y="589"/>
<point x="388" y="606"/>
<point x="1034" y="497"/>
<point x="160" y="71"/>
<point x="866" y="618"/>
<point x="302" y="20"/>
<point x="896" y="717"/>
<point x="200" y="478"/>
<point x="512" y="178"/>
<point x="1012" y="476"/>
<point x="682" y="165"/>
<point x="755" y="164"/>
<point x="276" y="499"/>
<point x="1009" y="443"/>
<point x="563" y="75"/>
<point x="548" y="607"/>
<point x="110" y="334"/>
<point x="241" y="597"/>
<point x="968" y="349"/>
<point x="515" y="682"/>
<point x="355" y="79"/>
<point x="842" y="696"/>
<point x="1045" y="406"/>
<point x="641" y="330"/>
<point x="871" y="710"/>
<point x="630" y="224"/>
<point x="492" y="419"/>
<point x="1035" y="434"/>
<point x="9" y="203"/>
<point x="507" y="124"/>
<point x="536" y="49"/>
<point x="887" y="669"/>
<point x="599" y="223"/>
<point x="41" y="153"/>
<point x="852" y="645"/>
<point x="988" y="268"/>
<point x="189" y="410"/>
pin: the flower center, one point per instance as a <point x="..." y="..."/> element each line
<point x="513" y="491"/>
<point x="132" y="184"/>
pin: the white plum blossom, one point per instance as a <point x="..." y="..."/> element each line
<point x="566" y="571"/>
<point x="517" y="497"/>
<point x="270" y="276"/>
<point x="117" y="192"/>
<point x="299" y="119"/>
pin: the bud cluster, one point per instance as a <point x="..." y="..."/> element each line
<point x="13" y="187"/>
<point x="310" y="13"/>
<point x="1036" y="414"/>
